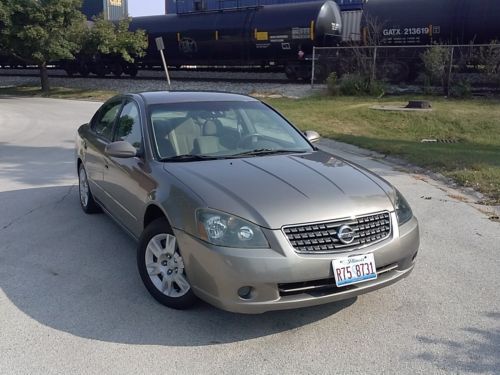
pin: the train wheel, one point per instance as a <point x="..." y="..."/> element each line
<point x="131" y="70"/>
<point x="84" y="70"/>
<point x="99" y="69"/>
<point x="117" y="69"/>
<point x="71" y="69"/>
<point x="321" y="72"/>
<point x="290" y="72"/>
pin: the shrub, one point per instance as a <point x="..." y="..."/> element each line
<point x="435" y="60"/>
<point x="353" y="85"/>
<point x="332" y="84"/>
<point x="359" y="85"/>
<point x="376" y="88"/>
<point x="461" y="89"/>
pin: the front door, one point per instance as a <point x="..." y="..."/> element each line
<point x="126" y="179"/>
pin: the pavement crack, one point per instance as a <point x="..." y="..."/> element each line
<point x="68" y="193"/>
<point x="19" y="218"/>
<point x="29" y="212"/>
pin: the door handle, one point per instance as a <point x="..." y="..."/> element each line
<point x="85" y="145"/>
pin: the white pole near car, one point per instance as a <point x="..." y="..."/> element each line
<point x="161" y="46"/>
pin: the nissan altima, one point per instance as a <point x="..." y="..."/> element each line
<point x="232" y="204"/>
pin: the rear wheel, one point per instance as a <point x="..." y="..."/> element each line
<point x="87" y="202"/>
<point x="162" y="268"/>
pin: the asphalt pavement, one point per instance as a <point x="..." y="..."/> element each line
<point x="71" y="300"/>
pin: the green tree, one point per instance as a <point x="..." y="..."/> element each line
<point x="437" y="61"/>
<point x="109" y="38"/>
<point x="41" y="31"/>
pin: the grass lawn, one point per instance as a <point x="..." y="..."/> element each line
<point x="475" y="123"/>
<point x="58" y="92"/>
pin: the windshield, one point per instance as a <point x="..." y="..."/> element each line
<point x="221" y="129"/>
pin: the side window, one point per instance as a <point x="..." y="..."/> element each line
<point x="105" y="120"/>
<point x="129" y="126"/>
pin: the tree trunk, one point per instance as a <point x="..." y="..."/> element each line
<point x="44" y="77"/>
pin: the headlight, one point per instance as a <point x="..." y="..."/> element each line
<point x="403" y="210"/>
<point x="222" y="229"/>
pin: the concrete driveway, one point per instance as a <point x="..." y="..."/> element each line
<point x="71" y="300"/>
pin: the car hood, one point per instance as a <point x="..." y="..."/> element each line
<point x="277" y="190"/>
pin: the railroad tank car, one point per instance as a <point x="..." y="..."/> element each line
<point x="423" y="22"/>
<point x="401" y="23"/>
<point x="279" y="35"/>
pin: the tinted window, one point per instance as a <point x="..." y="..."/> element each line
<point x="105" y="119"/>
<point x="129" y="126"/>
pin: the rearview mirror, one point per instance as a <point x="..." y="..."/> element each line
<point x="120" y="149"/>
<point x="312" y="136"/>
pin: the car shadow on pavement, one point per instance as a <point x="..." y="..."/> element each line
<point x="36" y="166"/>
<point x="479" y="353"/>
<point x="76" y="273"/>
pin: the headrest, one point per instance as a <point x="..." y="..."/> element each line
<point x="210" y="127"/>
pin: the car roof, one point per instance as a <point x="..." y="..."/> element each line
<point x="162" y="97"/>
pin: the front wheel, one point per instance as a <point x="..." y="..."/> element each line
<point x="162" y="268"/>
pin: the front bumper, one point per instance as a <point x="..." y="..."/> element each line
<point x="217" y="273"/>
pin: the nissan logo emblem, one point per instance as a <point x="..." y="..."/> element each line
<point x="346" y="234"/>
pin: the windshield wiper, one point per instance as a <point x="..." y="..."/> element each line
<point x="267" y="151"/>
<point x="188" y="157"/>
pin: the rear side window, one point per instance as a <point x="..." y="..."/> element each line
<point x="103" y="125"/>
<point x="129" y="126"/>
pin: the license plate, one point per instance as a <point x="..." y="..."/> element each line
<point x="354" y="269"/>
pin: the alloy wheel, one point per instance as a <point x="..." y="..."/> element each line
<point x="165" y="266"/>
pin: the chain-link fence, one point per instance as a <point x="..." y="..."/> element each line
<point x="433" y="66"/>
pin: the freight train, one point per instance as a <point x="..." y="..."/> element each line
<point x="284" y="35"/>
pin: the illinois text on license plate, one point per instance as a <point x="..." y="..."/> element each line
<point x="354" y="269"/>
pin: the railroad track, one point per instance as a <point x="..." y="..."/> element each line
<point x="174" y="76"/>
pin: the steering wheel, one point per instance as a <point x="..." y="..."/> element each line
<point x="253" y="138"/>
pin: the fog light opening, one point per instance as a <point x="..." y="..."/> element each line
<point x="246" y="292"/>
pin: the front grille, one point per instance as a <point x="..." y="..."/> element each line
<point x="323" y="237"/>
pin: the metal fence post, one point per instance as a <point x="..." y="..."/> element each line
<point x="374" y="64"/>
<point x="448" y="79"/>
<point x="313" y="67"/>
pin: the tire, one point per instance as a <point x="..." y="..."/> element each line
<point x="131" y="70"/>
<point x="84" y="70"/>
<point x="99" y="69"/>
<point x="117" y="69"/>
<point x="161" y="267"/>
<point x="87" y="202"/>
<point x="290" y="73"/>
<point x="321" y="73"/>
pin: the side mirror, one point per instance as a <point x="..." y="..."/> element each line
<point x="120" y="149"/>
<point x="312" y="136"/>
